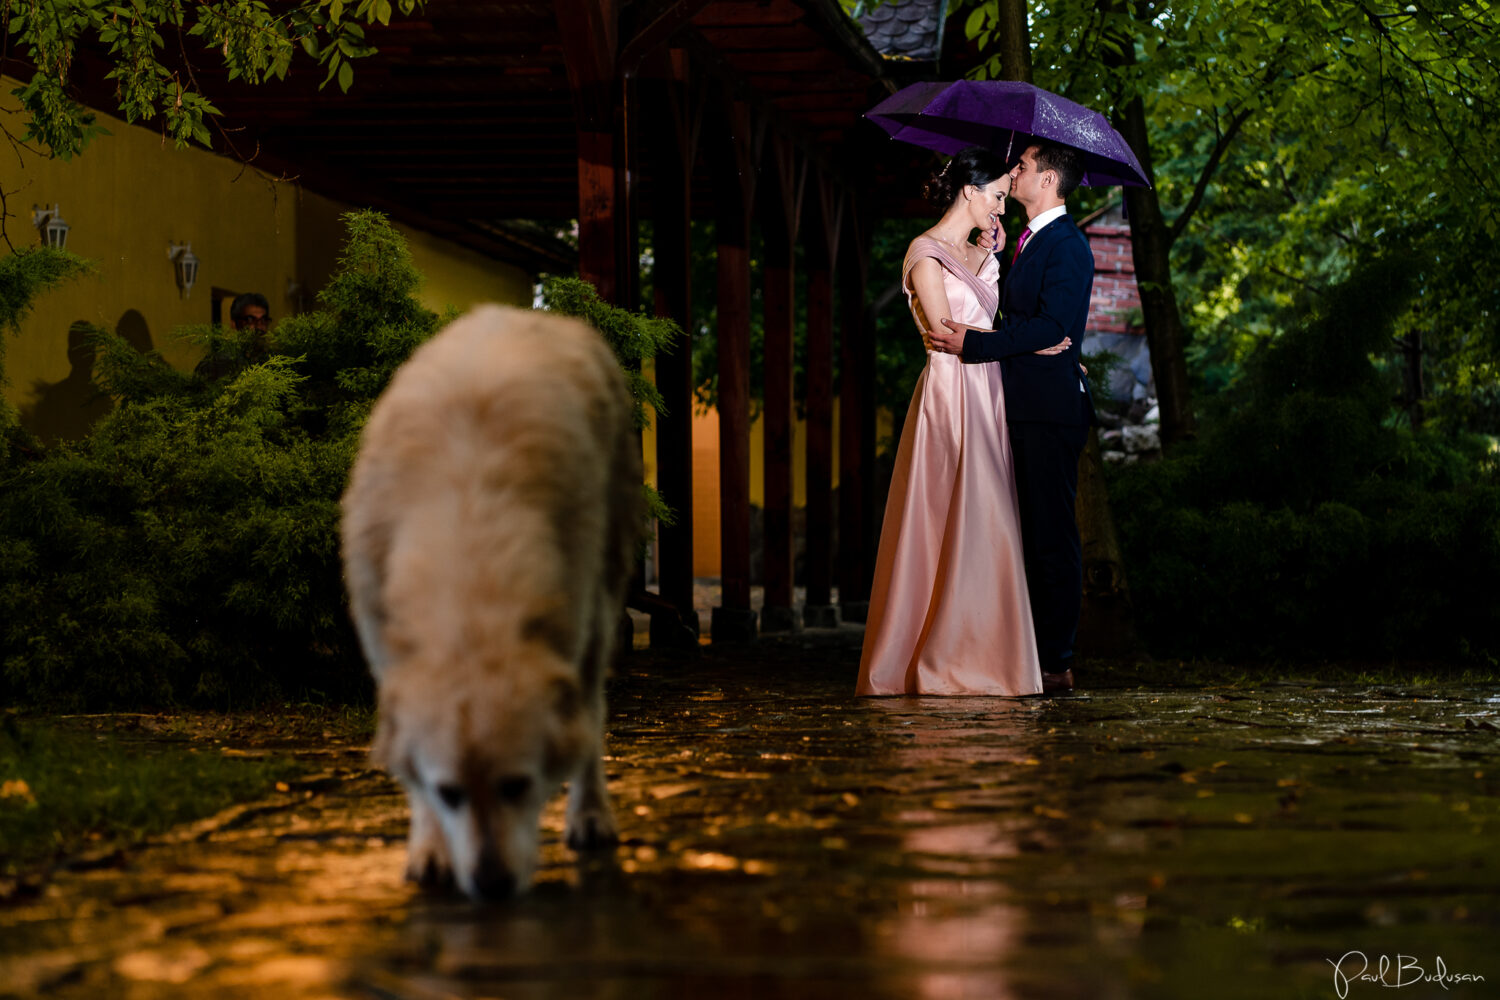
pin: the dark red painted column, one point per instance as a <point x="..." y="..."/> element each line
<point x="779" y="212"/>
<point x="856" y="419"/>
<point x="672" y="139"/>
<point x="822" y="256"/>
<point x="732" y="154"/>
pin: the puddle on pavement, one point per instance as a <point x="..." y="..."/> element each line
<point x="784" y="839"/>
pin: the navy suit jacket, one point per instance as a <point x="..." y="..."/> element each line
<point x="1045" y="298"/>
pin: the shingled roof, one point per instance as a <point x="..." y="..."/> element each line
<point x="907" y="30"/>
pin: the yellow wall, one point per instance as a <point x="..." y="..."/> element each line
<point x="453" y="276"/>
<point x="128" y="197"/>
<point x="706" y="547"/>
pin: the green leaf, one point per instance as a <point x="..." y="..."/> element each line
<point x="334" y="61"/>
<point x="346" y="76"/>
<point x="975" y="22"/>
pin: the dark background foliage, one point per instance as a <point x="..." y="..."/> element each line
<point x="1309" y="522"/>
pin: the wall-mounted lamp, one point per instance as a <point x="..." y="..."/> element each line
<point x="49" y="222"/>
<point x="185" y="263"/>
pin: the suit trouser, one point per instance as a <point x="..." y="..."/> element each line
<point x="1046" y="467"/>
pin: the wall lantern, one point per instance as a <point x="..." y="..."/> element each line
<point x="185" y="263"/>
<point x="49" y="222"/>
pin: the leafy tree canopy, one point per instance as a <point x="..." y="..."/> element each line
<point x="152" y="46"/>
<point x="1291" y="141"/>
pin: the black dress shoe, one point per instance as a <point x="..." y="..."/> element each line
<point x="1057" y="683"/>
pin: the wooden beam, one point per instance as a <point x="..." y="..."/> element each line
<point x="596" y="212"/>
<point x="590" y="39"/>
<point x="751" y="12"/>
<point x="733" y="154"/>
<point x="780" y="212"/>
<point x="822" y="256"/>
<point x="655" y="28"/>
<point x="673" y="140"/>
<point x="591" y="45"/>
<point x="713" y="65"/>
<point x="856" y="418"/>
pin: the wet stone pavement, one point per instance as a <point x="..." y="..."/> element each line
<point x="785" y="839"/>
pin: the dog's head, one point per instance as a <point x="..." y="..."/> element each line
<point x="485" y="757"/>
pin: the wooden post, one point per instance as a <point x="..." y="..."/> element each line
<point x="627" y="287"/>
<point x="780" y="208"/>
<point x="856" y="420"/>
<point x="673" y="140"/>
<point x="590" y="40"/>
<point x="733" y="155"/>
<point x="822" y="256"/>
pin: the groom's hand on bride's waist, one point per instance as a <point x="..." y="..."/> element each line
<point x="951" y="340"/>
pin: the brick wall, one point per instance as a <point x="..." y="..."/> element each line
<point x="1115" y="297"/>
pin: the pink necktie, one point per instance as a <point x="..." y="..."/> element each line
<point x="1025" y="235"/>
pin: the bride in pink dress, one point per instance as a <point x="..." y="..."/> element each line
<point x="949" y="611"/>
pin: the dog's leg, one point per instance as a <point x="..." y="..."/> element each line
<point x="590" y="819"/>
<point x="427" y="861"/>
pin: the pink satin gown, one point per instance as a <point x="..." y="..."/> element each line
<point x="949" y="611"/>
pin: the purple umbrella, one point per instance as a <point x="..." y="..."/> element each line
<point x="1004" y="115"/>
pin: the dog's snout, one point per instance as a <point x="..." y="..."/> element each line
<point x="492" y="880"/>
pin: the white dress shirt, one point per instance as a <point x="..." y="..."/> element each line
<point x="1040" y="222"/>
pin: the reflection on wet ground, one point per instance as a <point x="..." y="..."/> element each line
<point x="784" y="839"/>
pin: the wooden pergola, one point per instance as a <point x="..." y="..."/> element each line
<point x="478" y="113"/>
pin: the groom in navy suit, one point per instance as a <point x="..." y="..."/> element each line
<point x="1044" y="303"/>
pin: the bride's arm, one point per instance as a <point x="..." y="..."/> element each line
<point x="927" y="281"/>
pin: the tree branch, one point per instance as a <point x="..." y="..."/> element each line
<point x="1310" y="286"/>
<point x="1200" y="187"/>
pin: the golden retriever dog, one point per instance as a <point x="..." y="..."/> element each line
<point x="489" y="531"/>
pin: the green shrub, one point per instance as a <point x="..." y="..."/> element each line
<point x="187" y="550"/>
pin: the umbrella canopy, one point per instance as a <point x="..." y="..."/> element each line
<point x="1002" y="115"/>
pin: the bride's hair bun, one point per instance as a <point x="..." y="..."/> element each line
<point x="975" y="165"/>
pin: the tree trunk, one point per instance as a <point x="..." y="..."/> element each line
<point x="1015" y="41"/>
<point x="1414" y="391"/>
<point x="1107" y="625"/>
<point x="1151" y="244"/>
